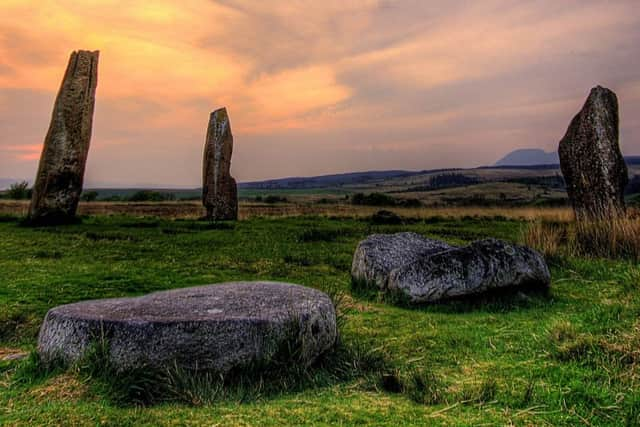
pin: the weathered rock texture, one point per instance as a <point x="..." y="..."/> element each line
<point x="379" y="254"/>
<point x="218" y="327"/>
<point x="427" y="270"/>
<point x="482" y="266"/>
<point x="61" y="171"/>
<point x="219" y="191"/>
<point x="590" y="158"/>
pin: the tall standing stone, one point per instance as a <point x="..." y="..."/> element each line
<point x="64" y="156"/>
<point x="219" y="191"/>
<point x="590" y="158"/>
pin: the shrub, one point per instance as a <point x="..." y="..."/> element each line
<point x="150" y="196"/>
<point x="274" y="199"/>
<point x="89" y="196"/>
<point x="386" y="218"/>
<point x="373" y="199"/>
<point x="19" y="191"/>
<point x="409" y="203"/>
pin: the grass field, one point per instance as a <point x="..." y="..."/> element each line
<point x="569" y="357"/>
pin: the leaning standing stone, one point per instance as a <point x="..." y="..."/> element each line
<point x="592" y="164"/>
<point x="61" y="171"/>
<point x="219" y="191"/>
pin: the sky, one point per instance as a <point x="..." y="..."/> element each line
<point x="314" y="87"/>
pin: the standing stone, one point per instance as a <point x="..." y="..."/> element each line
<point x="61" y="171"/>
<point x="219" y="191"/>
<point x="591" y="161"/>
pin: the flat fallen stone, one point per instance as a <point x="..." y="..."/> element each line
<point x="482" y="266"/>
<point x="218" y="327"/>
<point x="428" y="270"/>
<point x="379" y="254"/>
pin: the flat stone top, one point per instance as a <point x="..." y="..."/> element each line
<point x="232" y="300"/>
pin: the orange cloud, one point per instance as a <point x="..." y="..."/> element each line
<point x="24" y="152"/>
<point x="433" y="84"/>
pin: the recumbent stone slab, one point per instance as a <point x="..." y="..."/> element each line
<point x="217" y="327"/>
<point x="379" y="254"/>
<point x="428" y="270"/>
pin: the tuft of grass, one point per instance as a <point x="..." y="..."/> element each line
<point x="420" y="385"/>
<point x="615" y="239"/>
<point x="148" y="386"/>
<point x="424" y="386"/>
<point x="482" y="393"/>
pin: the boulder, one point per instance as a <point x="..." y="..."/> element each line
<point x="379" y="254"/>
<point x="592" y="164"/>
<point x="482" y="266"/>
<point x="428" y="270"/>
<point x="58" y="184"/>
<point x="219" y="190"/>
<point x="217" y="327"/>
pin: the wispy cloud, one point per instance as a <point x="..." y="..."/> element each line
<point x="315" y="87"/>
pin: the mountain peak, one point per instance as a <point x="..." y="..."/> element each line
<point x="529" y="157"/>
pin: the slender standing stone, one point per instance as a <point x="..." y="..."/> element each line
<point x="590" y="158"/>
<point x="64" y="156"/>
<point x="219" y="191"/>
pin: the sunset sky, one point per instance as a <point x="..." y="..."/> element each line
<point x="314" y="87"/>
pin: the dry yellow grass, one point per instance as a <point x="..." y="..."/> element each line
<point x="189" y="209"/>
<point x="619" y="238"/>
<point x="65" y="387"/>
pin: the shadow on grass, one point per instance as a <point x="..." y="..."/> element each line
<point x="493" y="301"/>
<point x="145" y="386"/>
<point x="50" y="221"/>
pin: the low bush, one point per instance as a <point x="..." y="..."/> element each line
<point x="381" y="199"/>
<point x="19" y="191"/>
<point x="150" y="196"/>
<point x="89" y="196"/>
<point x="386" y="218"/>
<point x="274" y="199"/>
<point x="373" y="199"/>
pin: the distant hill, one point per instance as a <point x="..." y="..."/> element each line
<point x="529" y="157"/>
<point x="326" y="180"/>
